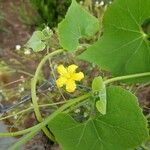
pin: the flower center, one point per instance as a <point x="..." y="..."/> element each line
<point x="69" y="76"/>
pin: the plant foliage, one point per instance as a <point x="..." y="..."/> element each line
<point x="120" y="48"/>
<point x="124" y="48"/>
<point x="50" y="11"/>
<point x="122" y="127"/>
<point x="77" y="23"/>
<point x="115" y="120"/>
<point x="99" y="94"/>
<point x="38" y="40"/>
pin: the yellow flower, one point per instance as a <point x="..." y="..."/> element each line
<point x="68" y="76"/>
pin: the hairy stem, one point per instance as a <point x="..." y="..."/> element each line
<point x="30" y="109"/>
<point x="38" y="127"/>
<point x="22" y="141"/>
<point x="127" y="77"/>
<point x="33" y="90"/>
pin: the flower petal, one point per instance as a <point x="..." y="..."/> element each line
<point x="78" y="76"/>
<point x="61" y="70"/>
<point x="70" y="86"/>
<point x="61" y="81"/>
<point x="72" y="68"/>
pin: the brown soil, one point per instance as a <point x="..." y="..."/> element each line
<point x="19" y="33"/>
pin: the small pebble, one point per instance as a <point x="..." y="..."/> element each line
<point x="27" y="52"/>
<point x="97" y="3"/>
<point x="21" y="89"/>
<point x="22" y="78"/>
<point x="14" y="102"/>
<point x="18" y="47"/>
<point x="101" y="3"/>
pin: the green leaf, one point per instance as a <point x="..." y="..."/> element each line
<point x="122" y="128"/>
<point x="36" y="42"/>
<point x="97" y="84"/>
<point x="77" y="23"/>
<point x="124" y="47"/>
<point x="99" y="94"/>
<point x="101" y="106"/>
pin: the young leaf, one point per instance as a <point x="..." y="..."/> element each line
<point x="97" y="84"/>
<point x="124" y="48"/>
<point x="99" y="93"/>
<point x="77" y="23"/>
<point x="122" y="128"/>
<point x="101" y="106"/>
<point x="35" y="42"/>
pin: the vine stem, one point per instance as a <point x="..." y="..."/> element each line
<point x="33" y="90"/>
<point x="30" y="108"/>
<point x="33" y="130"/>
<point x="23" y="72"/>
<point x="39" y="126"/>
<point x="48" y="119"/>
<point x="127" y="77"/>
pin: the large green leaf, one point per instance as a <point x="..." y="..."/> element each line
<point x="124" y="47"/>
<point x="77" y="23"/>
<point x="122" y="128"/>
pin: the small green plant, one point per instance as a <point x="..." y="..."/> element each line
<point x="114" y="120"/>
<point x="26" y="13"/>
<point x="48" y="12"/>
<point x="51" y="12"/>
